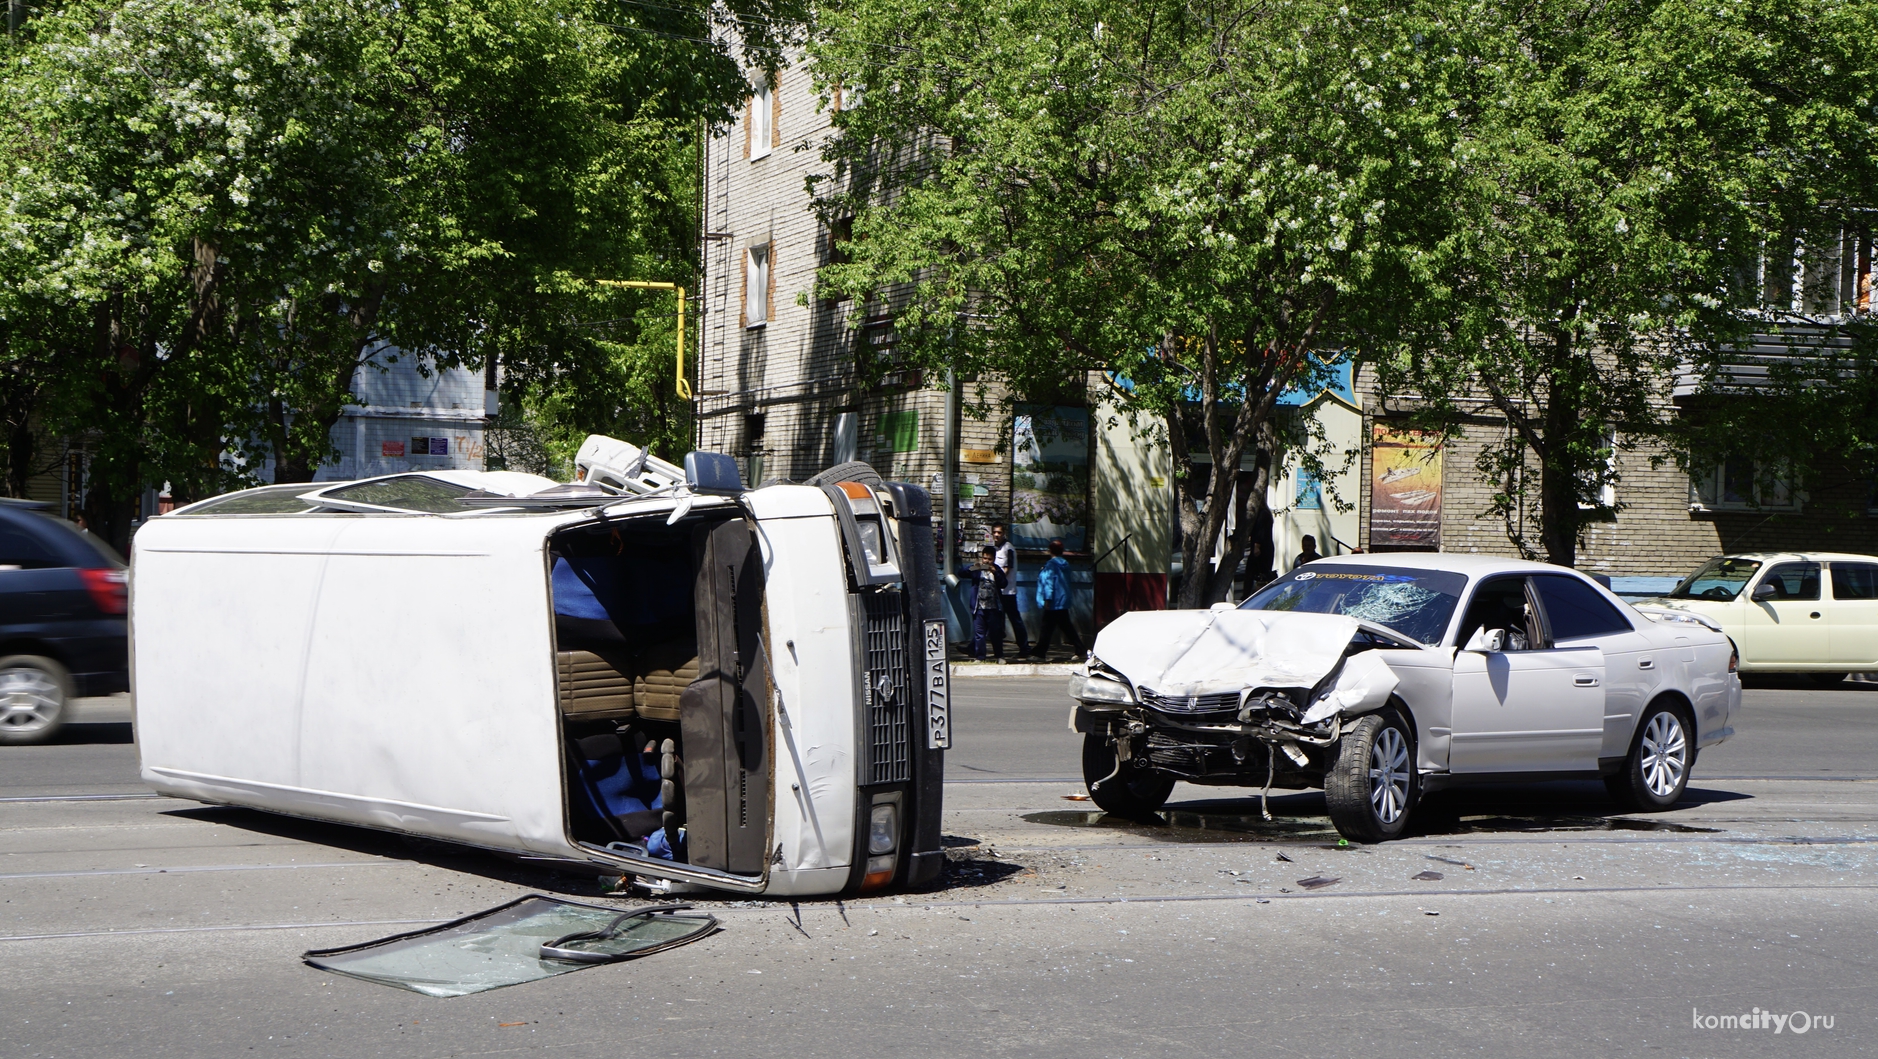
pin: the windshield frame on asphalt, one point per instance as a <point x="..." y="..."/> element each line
<point x="1682" y="589"/>
<point x="1429" y="626"/>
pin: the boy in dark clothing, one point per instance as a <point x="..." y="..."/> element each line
<point x="987" y="610"/>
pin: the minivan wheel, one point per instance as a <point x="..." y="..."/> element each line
<point x="1373" y="787"/>
<point x="1133" y="792"/>
<point x="1661" y="755"/>
<point x="34" y="691"/>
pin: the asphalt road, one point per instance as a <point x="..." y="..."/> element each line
<point x="139" y="926"/>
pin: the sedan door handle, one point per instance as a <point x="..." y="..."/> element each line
<point x="1645" y="663"/>
<point x="1815" y="614"/>
<point x="1585" y="682"/>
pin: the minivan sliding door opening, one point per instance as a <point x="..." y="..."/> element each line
<point x="663" y="691"/>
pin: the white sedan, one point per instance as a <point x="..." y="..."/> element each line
<point x="1382" y="677"/>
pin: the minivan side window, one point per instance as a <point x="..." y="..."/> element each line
<point x="1794" y="581"/>
<point x="1575" y="610"/>
<point x="1854" y="581"/>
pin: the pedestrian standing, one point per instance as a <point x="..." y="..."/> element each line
<point x="1007" y="561"/>
<point x="987" y="612"/>
<point x="1053" y="600"/>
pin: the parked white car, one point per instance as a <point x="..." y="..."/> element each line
<point x="653" y="671"/>
<point x="1789" y="612"/>
<point x="1382" y="677"/>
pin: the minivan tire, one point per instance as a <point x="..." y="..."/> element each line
<point x="1655" y="775"/>
<point x="1133" y="793"/>
<point x="1372" y="788"/>
<point x="35" y="699"/>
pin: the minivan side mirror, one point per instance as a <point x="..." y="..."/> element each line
<point x="1487" y="641"/>
<point x="1766" y="590"/>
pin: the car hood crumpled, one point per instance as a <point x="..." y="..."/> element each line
<point x="1181" y="653"/>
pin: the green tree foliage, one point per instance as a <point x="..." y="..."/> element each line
<point x="213" y="214"/>
<point x="1623" y="163"/>
<point x="1193" y="196"/>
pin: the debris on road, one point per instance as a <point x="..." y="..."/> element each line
<point x="1428" y="876"/>
<point x="1450" y="860"/>
<point x="525" y="940"/>
<point x="1318" y="882"/>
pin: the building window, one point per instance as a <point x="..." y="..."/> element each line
<point x="759" y="125"/>
<point x="1607" y="485"/>
<point x="753" y="426"/>
<point x="756" y="285"/>
<point x="1738" y="483"/>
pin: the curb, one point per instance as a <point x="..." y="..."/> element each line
<point x="1014" y="669"/>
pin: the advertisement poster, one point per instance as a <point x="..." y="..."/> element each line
<point x="1405" y="491"/>
<point x="1050" y="477"/>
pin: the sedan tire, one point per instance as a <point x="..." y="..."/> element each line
<point x="1373" y="786"/>
<point x="1133" y="792"/>
<point x="35" y="693"/>
<point x="1661" y="755"/>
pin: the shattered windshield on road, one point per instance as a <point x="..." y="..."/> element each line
<point x="1720" y="579"/>
<point x="1415" y="603"/>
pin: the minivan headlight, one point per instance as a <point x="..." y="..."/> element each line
<point x="883" y="829"/>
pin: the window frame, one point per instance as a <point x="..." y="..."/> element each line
<point x="759" y="270"/>
<point x="1707" y="492"/>
<point x="759" y="127"/>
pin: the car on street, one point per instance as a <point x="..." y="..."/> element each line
<point x="1814" y="613"/>
<point x="62" y="624"/>
<point x="1383" y="677"/>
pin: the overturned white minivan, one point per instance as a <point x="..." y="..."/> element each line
<point x="652" y="670"/>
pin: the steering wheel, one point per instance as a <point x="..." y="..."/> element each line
<point x="1716" y="592"/>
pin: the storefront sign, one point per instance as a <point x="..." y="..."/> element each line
<point x="1405" y="490"/>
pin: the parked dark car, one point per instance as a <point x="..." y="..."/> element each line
<point x="63" y="635"/>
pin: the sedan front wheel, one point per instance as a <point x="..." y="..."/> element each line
<point x="1373" y="786"/>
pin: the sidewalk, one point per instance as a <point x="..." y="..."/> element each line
<point x="1014" y="669"/>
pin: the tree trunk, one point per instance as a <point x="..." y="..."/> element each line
<point x="1558" y="477"/>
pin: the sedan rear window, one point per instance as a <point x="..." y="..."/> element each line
<point x="1720" y="579"/>
<point x="1415" y="603"/>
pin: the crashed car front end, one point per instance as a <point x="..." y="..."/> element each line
<point x="1252" y="698"/>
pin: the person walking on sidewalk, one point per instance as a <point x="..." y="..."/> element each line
<point x="987" y="613"/>
<point x="1053" y="600"/>
<point x="1007" y="562"/>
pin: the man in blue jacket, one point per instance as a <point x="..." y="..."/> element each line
<point x="1053" y="600"/>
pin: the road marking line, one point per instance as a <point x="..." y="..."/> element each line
<point x="85" y="798"/>
<point x="196" y="868"/>
<point x="206" y="930"/>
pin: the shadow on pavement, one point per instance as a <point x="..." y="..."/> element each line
<point x="78" y="733"/>
<point x="1301" y="816"/>
<point x="583" y="882"/>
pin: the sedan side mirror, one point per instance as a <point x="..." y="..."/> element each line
<point x="1764" y="591"/>
<point x="1487" y="641"/>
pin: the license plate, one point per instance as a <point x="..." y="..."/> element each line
<point x="938" y="688"/>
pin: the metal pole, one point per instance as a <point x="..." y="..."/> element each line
<point x="948" y="489"/>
